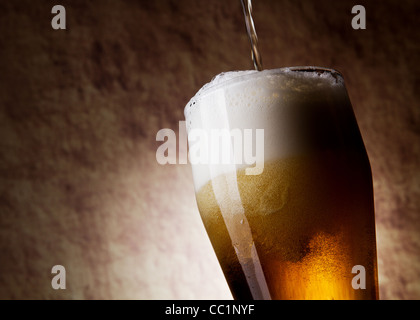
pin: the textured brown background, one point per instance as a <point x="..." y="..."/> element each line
<point x="79" y="113"/>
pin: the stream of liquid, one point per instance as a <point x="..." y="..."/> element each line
<point x="252" y="34"/>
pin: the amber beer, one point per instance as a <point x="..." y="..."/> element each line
<point x="297" y="229"/>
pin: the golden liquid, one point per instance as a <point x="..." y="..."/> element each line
<point x="310" y="219"/>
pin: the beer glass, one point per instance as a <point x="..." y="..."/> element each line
<point x="283" y="184"/>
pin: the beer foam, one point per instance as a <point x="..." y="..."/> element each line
<point x="223" y="78"/>
<point x="274" y="100"/>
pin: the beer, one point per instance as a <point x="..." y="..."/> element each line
<point x="252" y="34"/>
<point x="297" y="229"/>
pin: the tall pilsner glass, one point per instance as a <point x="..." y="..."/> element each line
<point x="283" y="184"/>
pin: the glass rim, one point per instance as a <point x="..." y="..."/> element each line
<point x="254" y="74"/>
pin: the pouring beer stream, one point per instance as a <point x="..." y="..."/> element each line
<point x="252" y="34"/>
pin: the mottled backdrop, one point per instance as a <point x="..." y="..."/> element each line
<point x="80" y="108"/>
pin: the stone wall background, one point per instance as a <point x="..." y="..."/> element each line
<point x="79" y="113"/>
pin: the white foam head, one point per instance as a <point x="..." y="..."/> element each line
<point x="271" y="100"/>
